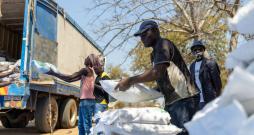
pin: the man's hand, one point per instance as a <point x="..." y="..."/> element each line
<point x="123" y="85"/>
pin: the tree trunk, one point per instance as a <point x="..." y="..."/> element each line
<point x="233" y="41"/>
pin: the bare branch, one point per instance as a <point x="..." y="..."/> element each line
<point x="173" y="30"/>
<point x="207" y="14"/>
<point x="187" y="17"/>
<point x="180" y="26"/>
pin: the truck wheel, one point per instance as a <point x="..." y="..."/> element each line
<point x="11" y="124"/>
<point x="5" y="122"/>
<point x="68" y="113"/>
<point x="42" y="114"/>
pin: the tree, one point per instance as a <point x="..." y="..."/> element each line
<point x="179" y="20"/>
<point x="187" y="17"/>
<point x="230" y="7"/>
<point x="116" y="72"/>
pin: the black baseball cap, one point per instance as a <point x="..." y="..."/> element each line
<point x="197" y="43"/>
<point x="147" y="24"/>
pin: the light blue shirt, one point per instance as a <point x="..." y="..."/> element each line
<point x="197" y="71"/>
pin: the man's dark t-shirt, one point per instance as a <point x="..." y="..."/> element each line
<point x="165" y="52"/>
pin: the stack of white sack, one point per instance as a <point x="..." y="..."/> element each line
<point x="243" y="56"/>
<point x="233" y="112"/>
<point x="43" y="67"/>
<point x="137" y="93"/>
<point x="7" y="67"/>
<point x="136" y="121"/>
<point x="243" y="21"/>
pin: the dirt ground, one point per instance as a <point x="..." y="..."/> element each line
<point x="31" y="130"/>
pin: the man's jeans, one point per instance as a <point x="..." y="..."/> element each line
<point x="99" y="108"/>
<point x="182" y="111"/>
<point x="86" y="110"/>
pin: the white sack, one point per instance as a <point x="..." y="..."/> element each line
<point x="144" y="129"/>
<point x="137" y="93"/>
<point x="42" y="67"/>
<point x="248" y="127"/>
<point x="242" y="56"/>
<point x="136" y="129"/>
<point x="148" y="115"/>
<point x="219" y="121"/>
<point x="240" y="87"/>
<point x="243" y="20"/>
<point x="250" y="68"/>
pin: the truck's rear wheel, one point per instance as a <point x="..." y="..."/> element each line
<point x="21" y="123"/>
<point x="68" y="113"/>
<point x="44" y="120"/>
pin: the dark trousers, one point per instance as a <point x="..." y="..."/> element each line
<point x="182" y="111"/>
<point x="201" y="105"/>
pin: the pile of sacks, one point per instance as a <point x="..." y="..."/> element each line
<point x="233" y="112"/>
<point x="135" y="121"/>
<point x="7" y="67"/>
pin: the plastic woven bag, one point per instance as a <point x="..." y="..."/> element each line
<point x="137" y="93"/>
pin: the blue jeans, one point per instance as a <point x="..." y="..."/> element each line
<point x="86" y="111"/>
<point x="99" y="108"/>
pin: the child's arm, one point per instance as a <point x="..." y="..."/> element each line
<point x="70" y="78"/>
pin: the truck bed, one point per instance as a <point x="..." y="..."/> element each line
<point x="57" y="87"/>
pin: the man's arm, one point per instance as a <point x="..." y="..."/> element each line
<point x="215" y="75"/>
<point x="147" y="76"/>
<point x="70" y="78"/>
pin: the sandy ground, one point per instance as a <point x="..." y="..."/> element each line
<point x="31" y="130"/>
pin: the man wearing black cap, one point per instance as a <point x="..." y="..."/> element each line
<point x="181" y="109"/>
<point x="206" y="74"/>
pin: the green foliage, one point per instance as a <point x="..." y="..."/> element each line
<point x="116" y="72"/>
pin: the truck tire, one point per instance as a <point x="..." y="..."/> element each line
<point x="68" y="113"/>
<point x="17" y="124"/>
<point x="42" y="114"/>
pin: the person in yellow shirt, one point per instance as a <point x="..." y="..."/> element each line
<point x="101" y="96"/>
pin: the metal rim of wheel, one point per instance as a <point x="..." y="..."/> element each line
<point x="73" y="114"/>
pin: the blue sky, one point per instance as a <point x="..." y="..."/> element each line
<point x="77" y="9"/>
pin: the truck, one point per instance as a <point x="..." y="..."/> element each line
<point x="41" y="30"/>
